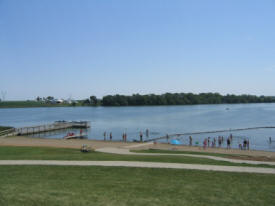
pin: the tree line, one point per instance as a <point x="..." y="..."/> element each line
<point x="175" y="99"/>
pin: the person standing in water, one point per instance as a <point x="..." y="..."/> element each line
<point x="190" y="141"/>
<point x="244" y="144"/>
<point x="167" y="137"/>
<point x="147" y="133"/>
<point x="220" y="141"/>
<point x="140" y="135"/>
<point x="104" y="134"/>
<point x="205" y="143"/>
<point x="228" y="143"/>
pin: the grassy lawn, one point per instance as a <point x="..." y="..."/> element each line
<point x="179" y="152"/>
<point x="23" y="104"/>
<point x="232" y="156"/>
<point x="45" y="153"/>
<point x="53" y="185"/>
<point x="185" y="152"/>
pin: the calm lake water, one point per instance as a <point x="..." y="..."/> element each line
<point x="159" y="120"/>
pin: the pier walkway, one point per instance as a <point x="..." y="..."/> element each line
<point x="58" y="125"/>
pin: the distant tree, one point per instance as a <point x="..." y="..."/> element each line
<point x="50" y="98"/>
<point x="181" y="99"/>
<point x="93" y="100"/>
<point x="38" y="99"/>
<point x="86" y="102"/>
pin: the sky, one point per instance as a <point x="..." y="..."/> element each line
<point x="70" y="48"/>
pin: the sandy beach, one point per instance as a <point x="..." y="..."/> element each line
<point x="95" y="144"/>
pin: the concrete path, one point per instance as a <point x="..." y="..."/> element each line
<point x="126" y="151"/>
<point x="140" y="164"/>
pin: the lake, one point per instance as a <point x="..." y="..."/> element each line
<point x="159" y="120"/>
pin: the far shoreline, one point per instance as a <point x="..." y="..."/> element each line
<point x="101" y="106"/>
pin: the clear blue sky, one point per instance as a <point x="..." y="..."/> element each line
<point x="83" y="48"/>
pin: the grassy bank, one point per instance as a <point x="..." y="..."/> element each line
<point x="44" y="153"/>
<point x="52" y="185"/>
<point x="180" y="152"/>
<point x="231" y="156"/>
<point x="23" y="104"/>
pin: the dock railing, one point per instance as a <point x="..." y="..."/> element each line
<point x="59" y="125"/>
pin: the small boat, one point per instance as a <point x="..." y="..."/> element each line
<point x="74" y="136"/>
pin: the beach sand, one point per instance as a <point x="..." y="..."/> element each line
<point x="95" y="144"/>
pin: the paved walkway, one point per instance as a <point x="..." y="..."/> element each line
<point x="126" y="151"/>
<point x="140" y="164"/>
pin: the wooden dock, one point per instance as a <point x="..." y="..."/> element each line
<point x="58" y="125"/>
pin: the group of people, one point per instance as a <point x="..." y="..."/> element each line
<point x="105" y="136"/>
<point x="207" y="142"/>
<point x="245" y="145"/>
<point x="124" y="136"/>
<point x="141" y="135"/>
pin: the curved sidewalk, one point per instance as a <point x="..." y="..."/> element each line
<point x="126" y="151"/>
<point x="140" y="164"/>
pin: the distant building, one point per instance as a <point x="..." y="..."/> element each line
<point x="60" y="101"/>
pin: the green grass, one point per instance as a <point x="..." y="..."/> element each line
<point x="45" y="153"/>
<point x="234" y="156"/>
<point x="98" y="186"/>
<point x="23" y="104"/>
<point x="183" y="152"/>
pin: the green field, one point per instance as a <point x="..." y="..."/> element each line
<point x="23" y="104"/>
<point x="45" y="153"/>
<point x="180" y="152"/>
<point x="91" y="185"/>
<point x="187" y="152"/>
<point x="53" y="185"/>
